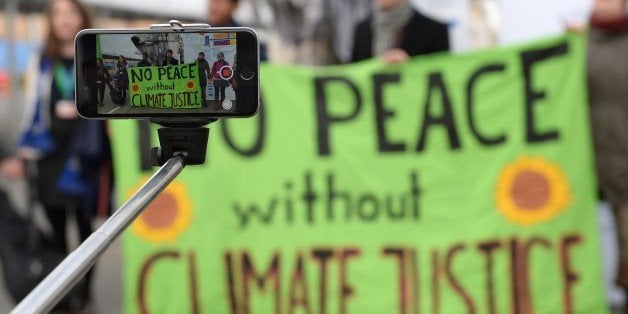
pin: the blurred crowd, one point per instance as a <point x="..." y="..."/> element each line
<point x="59" y="146"/>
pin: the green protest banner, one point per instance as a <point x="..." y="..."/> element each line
<point x="173" y="86"/>
<point x="449" y="184"/>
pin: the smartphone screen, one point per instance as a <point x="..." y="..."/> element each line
<point x="161" y="74"/>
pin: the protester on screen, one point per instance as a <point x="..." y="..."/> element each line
<point x="144" y="62"/>
<point x="607" y="70"/>
<point x="102" y="79"/>
<point x="220" y="84"/>
<point x="204" y="74"/>
<point x="122" y="77"/>
<point x="220" y="14"/>
<point x="71" y="155"/>
<point x="169" y="60"/>
<point x="396" y="31"/>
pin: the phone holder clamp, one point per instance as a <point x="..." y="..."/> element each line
<point x="185" y="139"/>
<point x="178" y="26"/>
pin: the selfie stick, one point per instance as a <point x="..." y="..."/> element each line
<point x="181" y="143"/>
<point x="56" y="285"/>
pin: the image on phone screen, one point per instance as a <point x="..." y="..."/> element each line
<point x="166" y="73"/>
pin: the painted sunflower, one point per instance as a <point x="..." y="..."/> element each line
<point x="531" y="191"/>
<point x="167" y="217"/>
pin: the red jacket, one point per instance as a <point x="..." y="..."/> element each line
<point x="216" y="68"/>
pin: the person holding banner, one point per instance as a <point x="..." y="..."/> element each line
<point x="608" y="97"/>
<point x="169" y="60"/>
<point x="144" y="62"/>
<point x="396" y="31"/>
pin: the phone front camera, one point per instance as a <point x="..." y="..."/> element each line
<point x="247" y="73"/>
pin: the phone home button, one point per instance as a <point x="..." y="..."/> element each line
<point x="247" y="73"/>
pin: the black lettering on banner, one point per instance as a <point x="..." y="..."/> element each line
<point x="529" y="58"/>
<point x="136" y="76"/>
<point x="415" y="191"/>
<point x="334" y="195"/>
<point x="309" y="197"/>
<point x="337" y="203"/>
<point x="399" y="213"/>
<point x="264" y="215"/>
<point x="485" y="140"/>
<point x="363" y="207"/>
<point x="161" y="71"/>
<point x="258" y="145"/>
<point x="324" y="118"/>
<point x="382" y="114"/>
<point x="446" y="118"/>
<point x="288" y="203"/>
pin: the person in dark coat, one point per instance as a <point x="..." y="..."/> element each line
<point x="144" y="62"/>
<point x="396" y="31"/>
<point x="102" y="79"/>
<point x="204" y="73"/>
<point x="169" y="60"/>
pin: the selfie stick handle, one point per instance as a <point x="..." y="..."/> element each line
<point x="55" y="286"/>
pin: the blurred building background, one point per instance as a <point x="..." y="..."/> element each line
<point x="323" y="24"/>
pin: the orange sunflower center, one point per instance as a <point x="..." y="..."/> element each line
<point x="190" y="84"/>
<point x="530" y="190"/>
<point x="162" y="212"/>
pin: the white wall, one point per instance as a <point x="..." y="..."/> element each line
<point x="528" y="19"/>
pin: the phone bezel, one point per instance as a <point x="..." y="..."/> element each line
<point x="247" y="93"/>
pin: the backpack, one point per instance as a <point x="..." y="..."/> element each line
<point x="116" y="95"/>
<point x="28" y="257"/>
